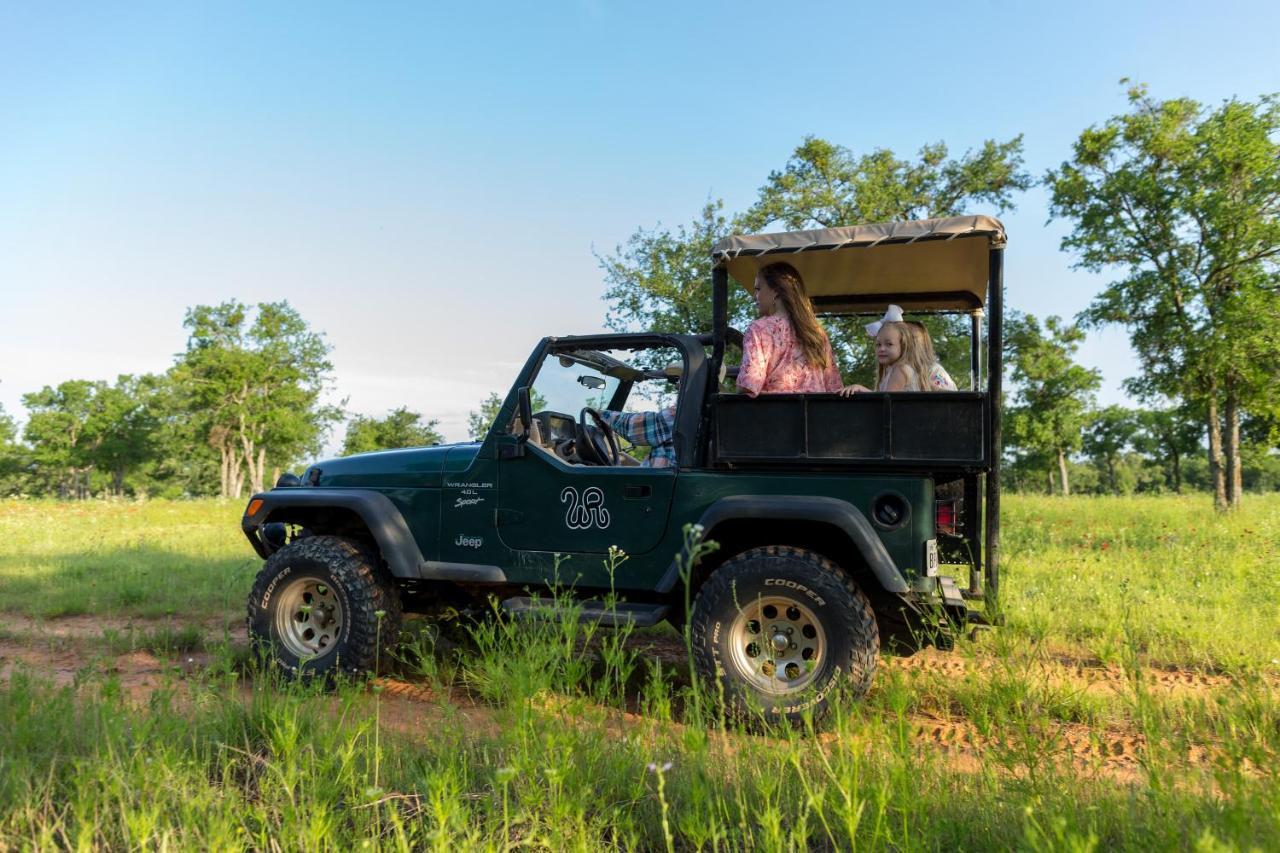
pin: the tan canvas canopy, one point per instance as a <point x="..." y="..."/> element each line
<point x="929" y="264"/>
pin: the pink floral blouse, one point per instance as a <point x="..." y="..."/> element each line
<point x="774" y="363"/>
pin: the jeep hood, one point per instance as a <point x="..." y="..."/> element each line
<point x="411" y="467"/>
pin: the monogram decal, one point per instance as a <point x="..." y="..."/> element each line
<point x="585" y="512"/>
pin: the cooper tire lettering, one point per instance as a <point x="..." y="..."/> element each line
<point x="266" y="596"/>
<point x="790" y="584"/>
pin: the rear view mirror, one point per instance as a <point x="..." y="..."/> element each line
<point x="595" y="383"/>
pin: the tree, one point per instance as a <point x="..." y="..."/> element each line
<point x="1054" y="394"/>
<point x="1168" y="436"/>
<point x="401" y="428"/>
<point x="1181" y="202"/>
<point x="12" y="455"/>
<point x="480" y="422"/>
<point x="1107" y="438"/>
<point x="183" y="463"/>
<point x="660" y="280"/>
<point x="253" y="389"/>
<point x="825" y="185"/>
<point x="121" y="427"/>
<point x="56" y="431"/>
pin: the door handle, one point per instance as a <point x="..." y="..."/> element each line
<point x="634" y="492"/>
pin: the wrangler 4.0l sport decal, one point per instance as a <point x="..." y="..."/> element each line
<point x="585" y="512"/>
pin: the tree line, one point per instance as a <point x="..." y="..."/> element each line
<point x="1177" y="202"/>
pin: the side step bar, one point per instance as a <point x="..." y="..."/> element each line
<point x="622" y="613"/>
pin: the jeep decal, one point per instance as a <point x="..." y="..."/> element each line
<point x="585" y="512"/>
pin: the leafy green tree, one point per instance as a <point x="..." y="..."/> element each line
<point x="181" y="462"/>
<point x="1181" y="202"/>
<point x="1106" y="439"/>
<point x="81" y="427"/>
<point x="253" y="388"/>
<point x="401" y="428"/>
<point x="13" y="459"/>
<point x="57" y="429"/>
<point x="660" y="279"/>
<point x="1167" y="436"/>
<point x="825" y="185"/>
<point x="1050" y="408"/>
<point x="121" y="426"/>
<point x="480" y="421"/>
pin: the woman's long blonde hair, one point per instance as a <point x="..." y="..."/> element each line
<point x="917" y="353"/>
<point x="784" y="280"/>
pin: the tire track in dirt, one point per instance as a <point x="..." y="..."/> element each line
<point x="1089" y="675"/>
<point x="1111" y="752"/>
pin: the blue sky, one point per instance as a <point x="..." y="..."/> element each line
<point x="357" y="159"/>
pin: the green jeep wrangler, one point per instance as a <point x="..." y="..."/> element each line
<point x="831" y="514"/>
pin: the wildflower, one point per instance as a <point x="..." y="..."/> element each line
<point x="505" y="774"/>
<point x="659" y="768"/>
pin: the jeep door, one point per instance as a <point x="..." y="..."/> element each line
<point x="549" y="502"/>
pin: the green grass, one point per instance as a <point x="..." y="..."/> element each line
<point x="1188" y="586"/>
<point x="557" y="749"/>
<point x="154" y="558"/>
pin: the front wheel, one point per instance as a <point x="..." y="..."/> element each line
<point x="781" y="628"/>
<point x="322" y="605"/>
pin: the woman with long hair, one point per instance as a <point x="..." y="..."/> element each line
<point x="786" y="350"/>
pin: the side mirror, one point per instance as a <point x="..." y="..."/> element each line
<point x="526" y="411"/>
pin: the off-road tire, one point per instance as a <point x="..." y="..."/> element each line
<point x="823" y="598"/>
<point x="352" y="582"/>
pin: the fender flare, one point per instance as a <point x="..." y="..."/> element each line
<point x="837" y="513"/>
<point x="375" y="509"/>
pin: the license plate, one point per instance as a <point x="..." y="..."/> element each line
<point x="931" y="558"/>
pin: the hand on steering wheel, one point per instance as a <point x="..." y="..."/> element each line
<point x="597" y="443"/>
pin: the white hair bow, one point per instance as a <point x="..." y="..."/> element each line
<point x="892" y="315"/>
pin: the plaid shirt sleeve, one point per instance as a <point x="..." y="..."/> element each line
<point x="649" y="429"/>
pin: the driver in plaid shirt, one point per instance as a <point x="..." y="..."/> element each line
<point x="650" y="429"/>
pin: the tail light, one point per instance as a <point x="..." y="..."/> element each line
<point x="947" y="518"/>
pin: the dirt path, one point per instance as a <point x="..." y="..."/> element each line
<point x="1089" y="675"/>
<point x="87" y="627"/>
<point x="68" y="650"/>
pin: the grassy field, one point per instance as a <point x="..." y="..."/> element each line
<point x="1131" y="701"/>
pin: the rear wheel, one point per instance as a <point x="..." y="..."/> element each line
<point x="781" y="628"/>
<point x="322" y="605"/>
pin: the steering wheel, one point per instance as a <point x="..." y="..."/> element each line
<point x="596" y="442"/>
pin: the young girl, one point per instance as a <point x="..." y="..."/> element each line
<point x="937" y="379"/>
<point x="904" y="358"/>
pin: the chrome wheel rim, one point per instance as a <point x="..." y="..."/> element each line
<point x="309" y="618"/>
<point x="777" y="644"/>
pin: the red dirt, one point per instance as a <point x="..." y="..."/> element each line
<point x="64" y="650"/>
